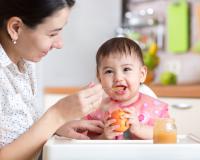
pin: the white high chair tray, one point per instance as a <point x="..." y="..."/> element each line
<point x="59" y="148"/>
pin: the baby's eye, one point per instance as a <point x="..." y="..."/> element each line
<point x="127" y="69"/>
<point x="108" y="72"/>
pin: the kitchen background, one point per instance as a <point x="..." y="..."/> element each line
<point x="167" y="30"/>
<point x="93" y="21"/>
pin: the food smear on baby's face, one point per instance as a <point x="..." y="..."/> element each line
<point x="119" y="89"/>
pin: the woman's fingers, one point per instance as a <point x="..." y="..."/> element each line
<point x="97" y="123"/>
<point x="91" y="90"/>
<point x="77" y="135"/>
<point x="95" y="100"/>
<point x="94" y="126"/>
<point x="80" y="104"/>
<point x="91" y="98"/>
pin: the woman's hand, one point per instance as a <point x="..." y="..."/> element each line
<point x="76" y="129"/>
<point x="80" y="104"/>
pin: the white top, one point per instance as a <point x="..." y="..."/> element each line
<point x="18" y="107"/>
<point x="146" y="90"/>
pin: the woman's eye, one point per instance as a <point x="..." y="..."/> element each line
<point x="53" y="34"/>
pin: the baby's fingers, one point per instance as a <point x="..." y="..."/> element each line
<point x="109" y="122"/>
<point x="130" y="110"/>
<point x="114" y="127"/>
<point x="130" y="113"/>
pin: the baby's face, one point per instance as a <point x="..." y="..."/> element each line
<point x="121" y="75"/>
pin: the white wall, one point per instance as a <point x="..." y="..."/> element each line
<point x="91" y="23"/>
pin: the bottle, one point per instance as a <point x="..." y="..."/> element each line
<point x="164" y="131"/>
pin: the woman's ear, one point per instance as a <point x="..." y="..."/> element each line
<point x="143" y="74"/>
<point x="14" y="26"/>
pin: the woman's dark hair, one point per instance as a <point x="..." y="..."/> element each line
<point x="32" y="12"/>
<point x="119" y="46"/>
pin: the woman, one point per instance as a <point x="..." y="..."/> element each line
<point x="29" y="29"/>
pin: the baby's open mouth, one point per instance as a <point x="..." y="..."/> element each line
<point x="120" y="88"/>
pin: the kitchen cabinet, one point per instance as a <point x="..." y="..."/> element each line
<point x="152" y="16"/>
<point x="147" y="21"/>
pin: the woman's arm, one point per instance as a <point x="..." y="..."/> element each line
<point x="79" y="129"/>
<point x="67" y="109"/>
<point x="28" y="144"/>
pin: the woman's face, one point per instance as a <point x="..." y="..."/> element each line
<point x="121" y="75"/>
<point x="33" y="44"/>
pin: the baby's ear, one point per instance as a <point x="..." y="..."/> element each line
<point x="98" y="77"/>
<point x="143" y="74"/>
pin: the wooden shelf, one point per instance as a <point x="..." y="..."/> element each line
<point x="61" y="90"/>
<point x="185" y="91"/>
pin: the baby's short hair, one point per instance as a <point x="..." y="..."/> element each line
<point x="120" y="46"/>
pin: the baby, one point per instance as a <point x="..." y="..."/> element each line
<point x="121" y="71"/>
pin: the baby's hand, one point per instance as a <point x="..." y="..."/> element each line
<point x="109" y="130"/>
<point x="132" y="118"/>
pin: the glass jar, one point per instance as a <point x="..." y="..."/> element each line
<point x="164" y="131"/>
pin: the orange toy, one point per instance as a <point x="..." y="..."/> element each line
<point x="122" y="122"/>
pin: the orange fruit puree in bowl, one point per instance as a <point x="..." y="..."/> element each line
<point x="164" y="131"/>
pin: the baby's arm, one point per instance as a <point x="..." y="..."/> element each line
<point x="142" y="131"/>
<point x="137" y="129"/>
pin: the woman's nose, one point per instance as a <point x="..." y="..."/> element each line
<point x="58" y="43"/>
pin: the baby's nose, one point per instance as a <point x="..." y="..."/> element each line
<point x="118" y="80"/>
